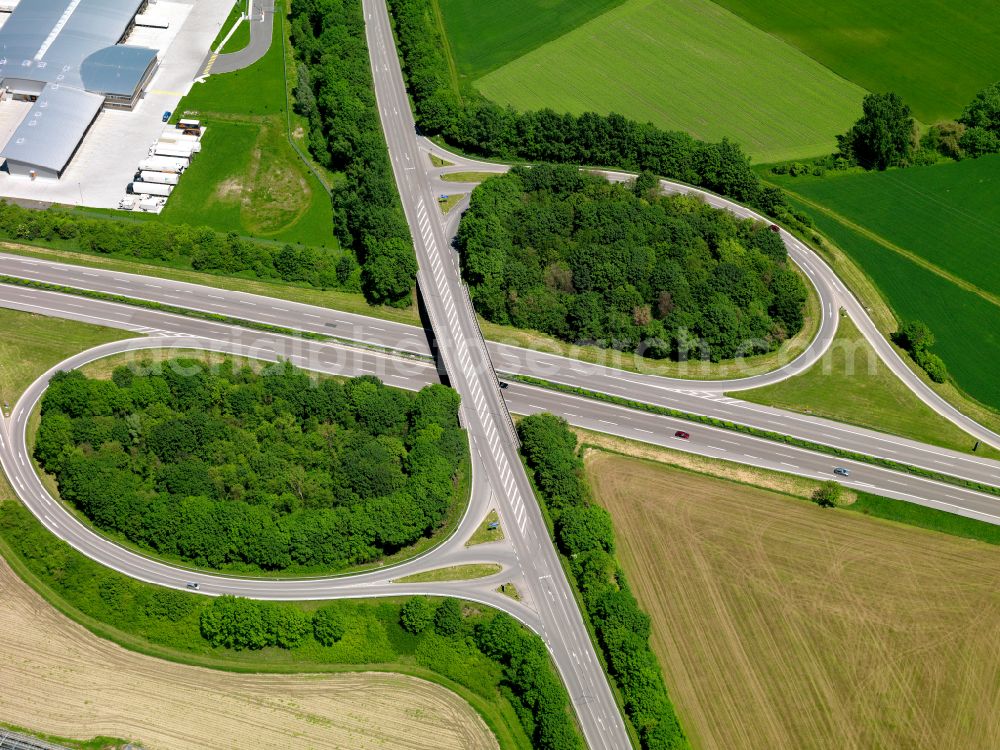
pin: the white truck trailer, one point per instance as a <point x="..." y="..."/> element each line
<point x="162" y="178"/>
<point x="164" y="164"/>
<point x="174" y="150"/>
<point x="151" y="188"/>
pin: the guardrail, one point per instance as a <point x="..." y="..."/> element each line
<point x="14" y="741"/>
<point x="467" y="298"/>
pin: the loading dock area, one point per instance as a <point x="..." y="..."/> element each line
<point x="117" y="140"/>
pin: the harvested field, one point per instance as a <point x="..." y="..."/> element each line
<point x="783" y="625"/>
<point x="74" y="684"/>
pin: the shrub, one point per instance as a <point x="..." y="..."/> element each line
<point x="416" y="615"/>
<point x="827" y="494"/>
<point x="448" y="618"/>
<point x="328" y="625"/>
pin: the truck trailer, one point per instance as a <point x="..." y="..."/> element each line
<point x="173" y="150"/>
<point x="164" y="164"/>
<point x="151" y="188"/>
<point x="162" y="178"/>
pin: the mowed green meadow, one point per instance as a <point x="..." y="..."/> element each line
<point x="927" y="237"/>
<point x="935" y="53"/>
<point x="247" y="177"/>
<point x="688" y="65"/>
<point x="485" y="35"/>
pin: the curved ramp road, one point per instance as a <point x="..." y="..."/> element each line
<point x="57" y="518"/>
<point x="499" y="481"/>
<point x="261" y="20"/>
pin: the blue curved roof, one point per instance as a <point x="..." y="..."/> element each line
<point x="74" y="43"/>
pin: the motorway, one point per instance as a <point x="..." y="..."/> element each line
<point x="414" y="373"/>
<point x="705" y="398"/>
<point x="499" y="481"/>
<point x="462" y="352"/>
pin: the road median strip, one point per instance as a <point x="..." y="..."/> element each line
<point x="777" y="437"/>
<point x="203" y="315"/>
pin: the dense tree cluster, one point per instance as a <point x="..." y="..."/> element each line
<point x="335" y="93"/>
<point x="917" y="339"/>
<point x="200" y="248"/>
<point x="239" y="624"/>
<point x="529" y="675"/>
<point x="227" y="467"/>
<point x="560" y="251"/>
<point x="481" y="126"/>
<point x="981" y="119"/>
<point x="584" y="534"/>
<point x="884" y="136"/>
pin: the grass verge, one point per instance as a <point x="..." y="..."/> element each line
<point x="31" y="344"/>
<point x="484" y="533"/>
<point x="467" y="176"/>
<point x="875" y="506"/>
<point x="509" y="589"/>
<point x="453" y="573"/>
<point x="765" y="434"/>
<point x="851" y="384"/>
<point x="925" y="238"/>
<point x="450" y="202"/>
<point x="172" y="309"/>
<point x="373" y="641"/>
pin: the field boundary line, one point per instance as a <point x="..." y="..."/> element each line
<point x="446" y="44"/>
<point x="899" y="250"/>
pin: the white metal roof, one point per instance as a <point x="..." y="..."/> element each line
<point x="53" y="127"/>
<point x="68" y="41"/>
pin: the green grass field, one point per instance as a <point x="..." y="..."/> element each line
<point x="239" y="39"/>
<point x="851" y="384"/>
<point x="936" y="54"/>
<point x="248" y="178"/>
<point x="947" y="214"/>
<point x="687" y="65"/>
<point x="33" y="343"/>
<point x="486" y="35"/>
<point x="926" y="237"/>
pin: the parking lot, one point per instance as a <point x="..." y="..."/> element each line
<point x="107" y="159"/>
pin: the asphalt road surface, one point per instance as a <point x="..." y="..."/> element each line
<point x="464" y="356"/>
<point x="695" y="397"/>
<point x="527" y="555"/>
<point x="261" y="20"/>
<point x="414" y="373"/>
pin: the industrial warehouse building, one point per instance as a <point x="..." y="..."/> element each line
<point x="67" y="57"/>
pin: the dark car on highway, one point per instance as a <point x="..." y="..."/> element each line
<point x="682" y="435"/>
<point x="774" y="228"/>
<point x="841" y="472"/>
<point x="166" y="115"/>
